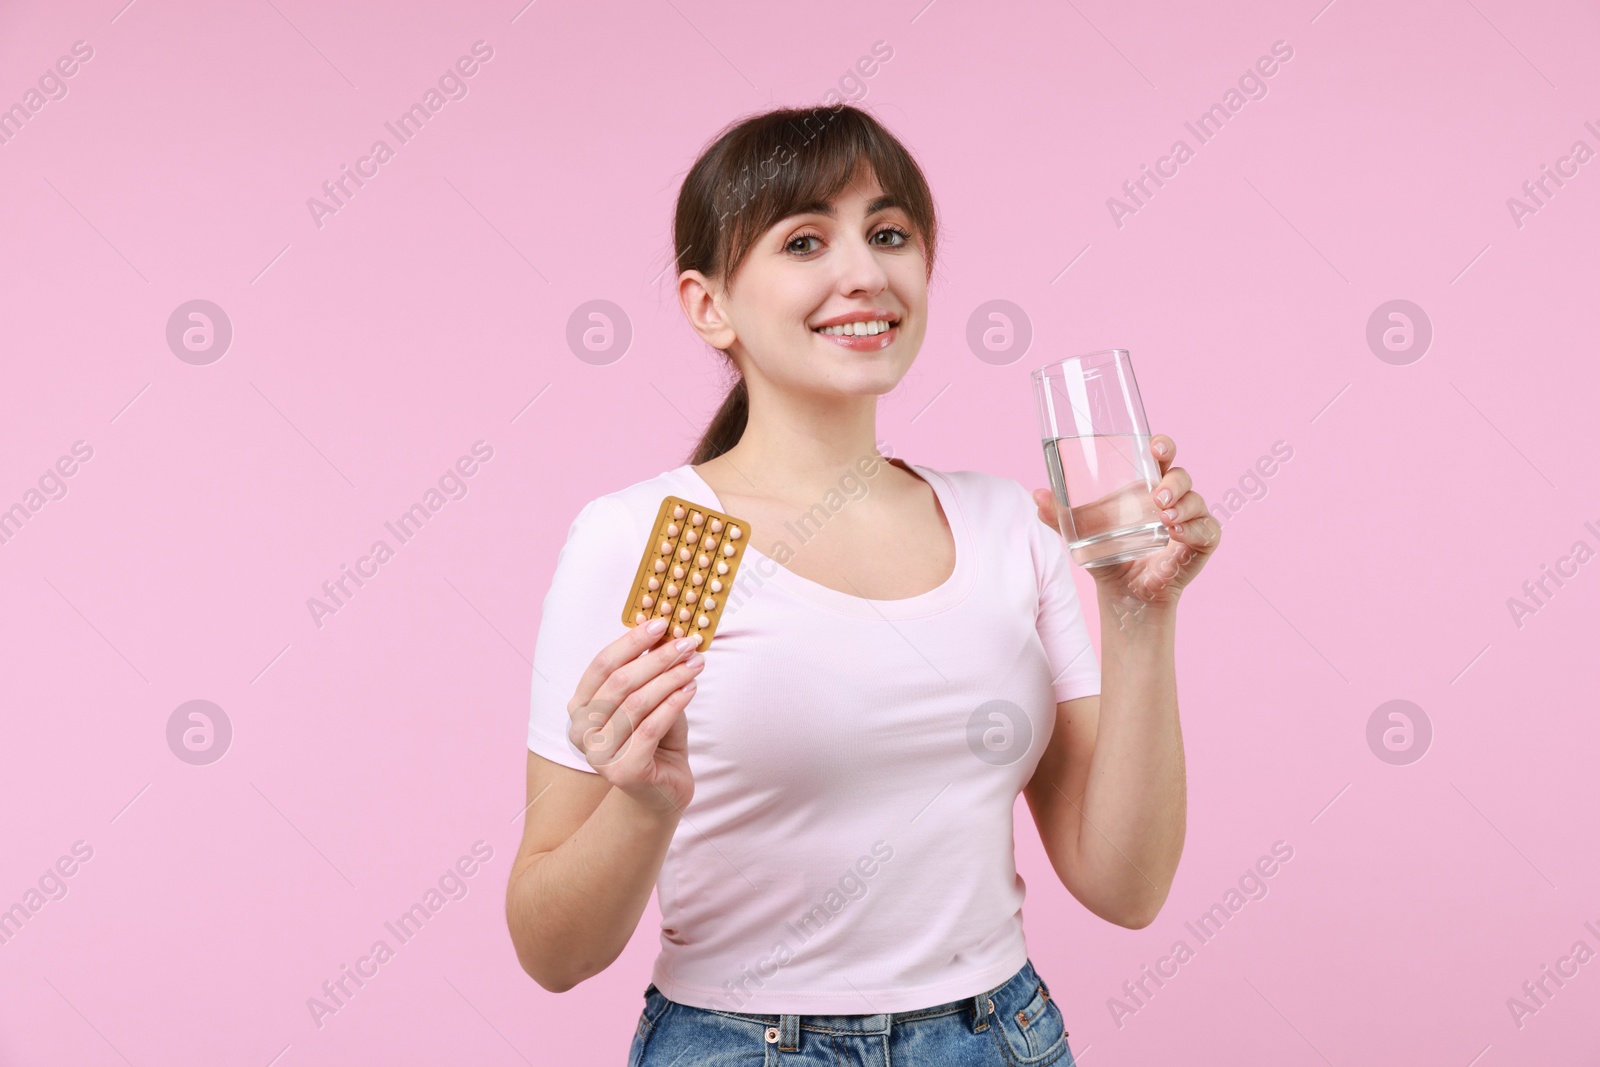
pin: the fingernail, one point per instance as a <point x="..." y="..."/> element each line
<point x="1164" y="497"/>
<point x="1170" y="514"/>
<point x="687" y="643"/>
<point x="695" y="660"/>
<point x="656" y="626"/>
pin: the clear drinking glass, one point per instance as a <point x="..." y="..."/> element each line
<point x="1097" y="451"/>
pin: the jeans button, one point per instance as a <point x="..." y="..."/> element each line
<point x="772" y="1035"/>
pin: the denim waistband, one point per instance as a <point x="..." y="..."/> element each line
<point x="784" y="1029"/>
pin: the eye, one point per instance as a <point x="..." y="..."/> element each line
<point x="896" y="231"/>
<point x="902" y="234"/>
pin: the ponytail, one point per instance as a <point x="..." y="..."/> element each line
<point x="727" y="425"/>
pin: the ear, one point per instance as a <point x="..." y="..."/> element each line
<point x="699" y="297"/>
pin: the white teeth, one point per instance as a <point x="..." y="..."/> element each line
<point x="861" y="329"/>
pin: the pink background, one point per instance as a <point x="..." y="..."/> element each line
<point x="369" y="754"/>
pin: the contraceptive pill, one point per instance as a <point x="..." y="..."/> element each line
<point x="703" y="548"/>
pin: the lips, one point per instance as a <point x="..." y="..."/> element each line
<point x="859" y="315"/>
<point x="863" y="342"/>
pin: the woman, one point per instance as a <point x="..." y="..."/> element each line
<point x="830" y="838"/>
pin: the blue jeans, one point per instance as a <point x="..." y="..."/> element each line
<point x="1015" y="1024"/>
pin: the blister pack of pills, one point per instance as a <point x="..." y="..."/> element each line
<point x="687" y="570"/>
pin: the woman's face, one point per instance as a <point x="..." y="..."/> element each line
<point x="861" y="262"/>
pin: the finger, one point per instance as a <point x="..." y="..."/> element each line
<point x="1203" y="532"/>
<point x="1045" y="501"/>
<point x="1188" y="506"/>
<point x="611" y="727"/>
<point x="635" y="726"/>
<point x="1173" y="485"/>
<point x="643" y="700"/>
<point x="660" y="720"/>
<point x="627" y="647"/>
<point x="640" y="749"/>
<point x="1165" y="449"/>
<point x="631" y="676"/>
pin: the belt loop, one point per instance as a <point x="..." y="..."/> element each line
<point x="789" y="1033"/>
<point x="981" y="1007"/>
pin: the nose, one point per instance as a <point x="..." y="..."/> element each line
<point x="860" y="269"/>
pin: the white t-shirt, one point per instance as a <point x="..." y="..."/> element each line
<point x="848" y="849"/>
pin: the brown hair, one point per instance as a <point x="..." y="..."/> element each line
<point x="760" y="170"/>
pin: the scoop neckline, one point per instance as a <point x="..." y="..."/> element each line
<point x="948" y="593"/>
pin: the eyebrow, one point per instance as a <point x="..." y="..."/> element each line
<point x="824" y="207"/>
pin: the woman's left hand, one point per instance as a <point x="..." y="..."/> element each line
<point x="1159" y="578"/>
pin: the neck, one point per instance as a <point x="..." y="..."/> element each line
<point x="797" y="444"/>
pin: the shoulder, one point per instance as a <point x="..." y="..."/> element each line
<point x="984" y="495"/>
<point x="625" y="516"/>
<point x="1000" y="511"/>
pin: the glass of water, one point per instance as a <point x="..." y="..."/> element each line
<point x="1097" y="451"/>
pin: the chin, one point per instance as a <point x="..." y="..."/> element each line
<point x="868" y="384"/>
<point x="846" y="384"/>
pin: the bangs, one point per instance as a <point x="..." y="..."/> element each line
<point x="792" y="162"/>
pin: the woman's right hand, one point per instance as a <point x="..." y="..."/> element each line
<point x="627" y="717"/>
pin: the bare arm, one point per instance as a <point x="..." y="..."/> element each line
<point x="589" y="858"/>
<point x="593" y="844"/>
<point x="1110" y="794"/>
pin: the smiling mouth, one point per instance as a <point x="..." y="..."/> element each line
<point x="863" y="343"/>
<point x="858" y="329"/>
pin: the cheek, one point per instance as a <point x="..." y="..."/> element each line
<point x="910" y="288"/>
<point x="779" y="309"/>
<point x="908" y="275"/>
<point x="789" y="290"/>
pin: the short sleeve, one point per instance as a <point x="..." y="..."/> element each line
<point x="1074" y="668"/>
<point x="582" y="614"/>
